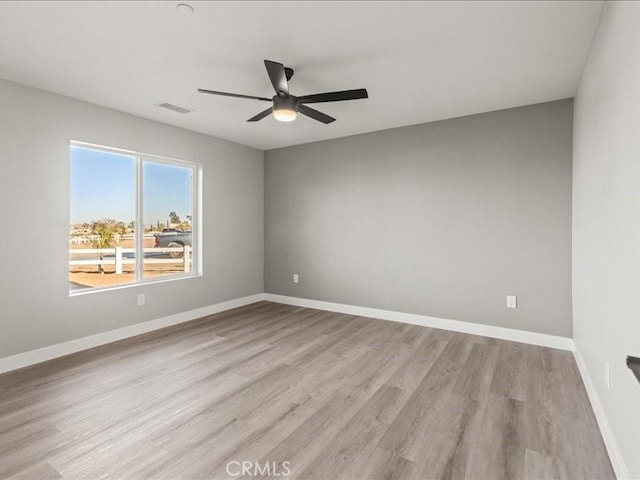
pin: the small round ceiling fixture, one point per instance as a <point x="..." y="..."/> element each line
<point x="184" y="9"/>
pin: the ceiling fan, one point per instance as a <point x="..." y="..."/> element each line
<point x="285" y="107"/>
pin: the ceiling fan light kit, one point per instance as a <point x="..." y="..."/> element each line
<point x="285" y="107"/>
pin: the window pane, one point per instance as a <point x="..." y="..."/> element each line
<point x="103" y="211"/>
<point x="167" y="218"/>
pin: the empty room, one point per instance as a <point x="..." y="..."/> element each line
<point x="326" y="240"/>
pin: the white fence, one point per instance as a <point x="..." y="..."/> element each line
<point x="119" y="259"/>
<point x="90" y="238"/>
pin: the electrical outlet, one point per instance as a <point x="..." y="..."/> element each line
<point x="141" y="299"/>
<point x="296" y="278"/>
<point x="607" y="375"/>
<point x="512" y="301"/>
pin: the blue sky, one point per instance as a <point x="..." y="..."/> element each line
<point x="103" y="185"/>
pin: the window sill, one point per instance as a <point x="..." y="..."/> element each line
<point x="143" y="283"/>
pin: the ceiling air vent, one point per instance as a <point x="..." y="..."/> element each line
<point x="174" y="108"/>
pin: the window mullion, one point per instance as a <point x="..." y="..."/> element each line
<point x="139" y="222"/>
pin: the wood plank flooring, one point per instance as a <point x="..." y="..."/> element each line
<point x="328" y="396"/>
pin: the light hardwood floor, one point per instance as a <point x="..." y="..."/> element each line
<point x="336" y="396"/>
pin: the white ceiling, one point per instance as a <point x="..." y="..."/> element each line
<point x="420" y="61"/>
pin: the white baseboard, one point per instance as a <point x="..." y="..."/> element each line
<point x="32" y="357"/>
<point x="615" y="456"/>
<point x="521" y="336"/>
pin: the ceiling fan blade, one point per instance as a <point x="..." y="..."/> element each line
<point x="261" y="115"/>
<point x="315" y="114"/>
<point x="236" y="95"/>
<point x="335" y="96"/>
<point x="277" y="76"/>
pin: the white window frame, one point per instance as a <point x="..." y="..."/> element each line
<point x="196" y="217"/>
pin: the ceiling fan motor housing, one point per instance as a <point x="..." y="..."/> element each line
<point x="285" y="103"/>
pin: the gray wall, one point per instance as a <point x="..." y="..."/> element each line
<point x="35" y="307"/>
<point x="442" y="219"/>
<point x="606" y="220"/>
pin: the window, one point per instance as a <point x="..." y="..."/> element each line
<point x="134" y="218"/>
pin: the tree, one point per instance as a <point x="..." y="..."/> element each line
<point x="174" y="218"/>
<point x="105" y="229"/>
